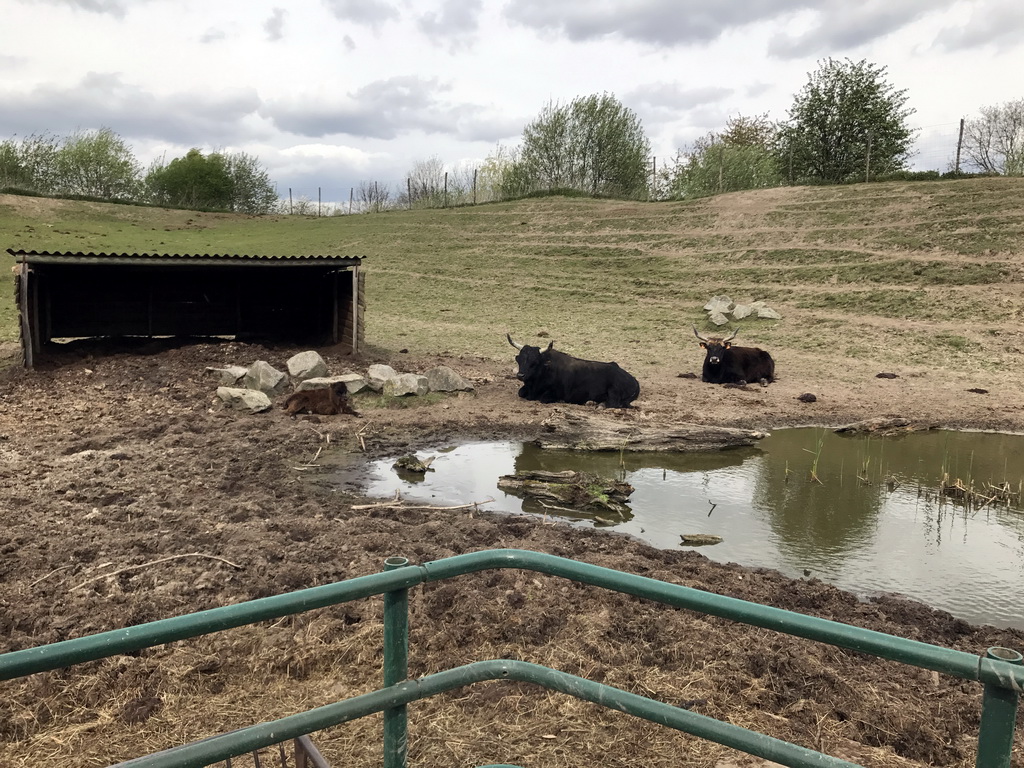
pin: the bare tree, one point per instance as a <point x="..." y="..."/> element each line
<point x="994" y="143"/>
<point x="426" y="183"/>
<point x="374" y="197"/>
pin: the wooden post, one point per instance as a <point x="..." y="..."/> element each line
<point x="355" y="309"/>
<point x="721" y="166"/>
<point x="290" y="210"/>
<point x="351" y="191"/>
<point x="318" y="202"/>
<point x="27" y="341"/>
<point x="959" y="144"/>
<point x="408" y="187"/>
<point x="446" y="189"/>
<point x="474" y="186"/>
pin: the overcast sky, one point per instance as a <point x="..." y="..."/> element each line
<point x="331" y="93"/>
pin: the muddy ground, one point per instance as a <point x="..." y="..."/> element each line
<point x="130" y="494"/>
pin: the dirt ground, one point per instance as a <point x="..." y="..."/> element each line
<point x="130" y="494"/>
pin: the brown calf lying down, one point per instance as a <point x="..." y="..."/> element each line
<point x="325" y="402"/>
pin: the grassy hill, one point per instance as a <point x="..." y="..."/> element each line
<point x="894" y="273"/>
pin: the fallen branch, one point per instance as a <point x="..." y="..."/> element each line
<point x="154" y="562"/>
<point x="44" y="578"/>
<point x="394" y="503"/>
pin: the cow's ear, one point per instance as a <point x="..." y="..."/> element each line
<point x="727" y="344"/>
<point x="551" y="345"/>
<point x="703" y="345"/>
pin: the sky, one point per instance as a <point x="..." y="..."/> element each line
<point x="331" y="94"/>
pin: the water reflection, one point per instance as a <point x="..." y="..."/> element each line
<point x="874" y="518"/>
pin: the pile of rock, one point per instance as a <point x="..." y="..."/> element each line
<point x="720" y="307"/>
<point x="251" y="389"/>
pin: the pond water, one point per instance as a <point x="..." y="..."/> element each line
<point x="871" y="518"/>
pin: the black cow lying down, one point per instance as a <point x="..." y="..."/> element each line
<point x="726" y="364"/>
<point x="550" y="376"/>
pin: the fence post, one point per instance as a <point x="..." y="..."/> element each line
<point x="396" y="667"/>
<point x="959" y="144"/>
<point x="998" y="717"/>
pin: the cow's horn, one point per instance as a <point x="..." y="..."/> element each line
<point x="701" y="338"/>
<point x="732" y="335"/>
<point x="509" y="337"/>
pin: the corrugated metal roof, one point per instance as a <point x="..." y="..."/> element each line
<point x="182" y="259"/>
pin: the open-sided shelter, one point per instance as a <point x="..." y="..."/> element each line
<point x="306" y="299"/>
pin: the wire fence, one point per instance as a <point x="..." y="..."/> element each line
<point x="936" y="148"/>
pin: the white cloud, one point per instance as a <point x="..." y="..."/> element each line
<point x="334" y="92"/>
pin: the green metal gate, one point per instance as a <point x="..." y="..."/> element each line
<point x="1000" y="670"/>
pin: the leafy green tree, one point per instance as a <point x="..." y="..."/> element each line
<point x="252" y="191"/>
<point x="192" y="181"/>
<point x="30" y="164"/>
<point x="594" y="144"/>
<point x="846" y="121"/>
<point x="994" y="142"/>
<point x="742" y="156"/>
<point x="492" y="173"/>
<point x="98" y="164"/>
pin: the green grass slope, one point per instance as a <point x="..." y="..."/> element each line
<point x="912" y="273"/>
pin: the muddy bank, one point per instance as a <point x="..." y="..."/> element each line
<point x="123" y="461"/>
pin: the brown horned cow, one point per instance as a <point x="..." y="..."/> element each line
<point x="325" y="402"/>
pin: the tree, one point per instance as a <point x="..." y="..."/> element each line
<point x="994" y="143"/>
<point x="594" y="144"/>
<point x="252" y="191"/>
<point x="30" y="164"/>
<point x="426" y="183"/>
<point x="846" y="120"/>
<point x="373" y="197"/>
<point x="192" y="181"/>
<point x="98" y="164"/>
<point x="743" y="156"/>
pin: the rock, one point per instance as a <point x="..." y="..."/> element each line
<point x="353" y="382"/>
<point x="229" y="376"/>
<point x="767" y="313"/>
<point x="307" y="365"/>
<point x="377" y="374"/>
<point x="580" y="431"/>
<point x="406" y="384"/>
<point x="807" y="397"/>
<point x="409" y="463"/>
<point x="699" y="539"/>
<point x="741" y="311"/>
<point x="883" y="425"/>
<point x="719" y="304"/>
<point x="718" y="318"/>
<point x="444" y="379"/>
<point x="886" y="375"/>
<point x="978" y="391"/>
<point x="239" y="399"/>
<point x="264" y="377"/>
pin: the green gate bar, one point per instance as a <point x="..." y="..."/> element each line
<point x="396" y="667"/>
<point x="1003" y="679"/>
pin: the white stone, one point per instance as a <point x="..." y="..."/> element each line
<point x="353" y="382"/>
<point x="719" y="304"/>
<point x="742" y="310"/>
<point x="718" y="318"/>
<point x="444" y="379"/>
<point x="228" y="376"/>
<point x="768" y="313"/>
<point x="406" y="384"/>
<point x="250" y="400"/>
<point x="307" y="365"/>
<point x="377" y="374"/>
<point x="264" y="377"/>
